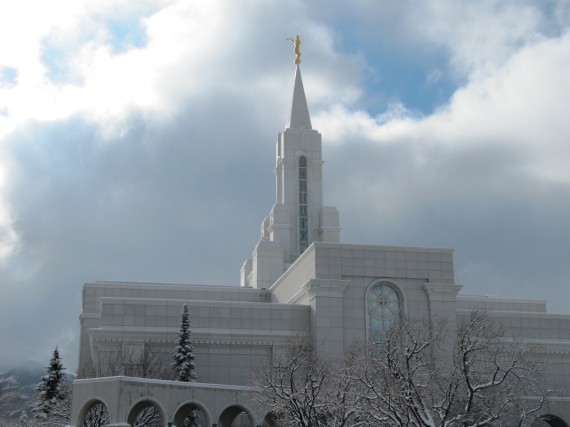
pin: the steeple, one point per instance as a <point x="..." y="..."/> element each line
<point x="298" y="217"/>
<point x="299" y="117"/>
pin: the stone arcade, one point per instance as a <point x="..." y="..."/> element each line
<point x="299" y="276"/>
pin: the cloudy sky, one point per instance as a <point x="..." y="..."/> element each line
<point x="137" y="142"/>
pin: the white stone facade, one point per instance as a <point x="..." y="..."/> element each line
<point x="300" y="277"/>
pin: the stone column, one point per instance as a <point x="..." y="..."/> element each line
<point x="442" y="299"/>
<point x="327" y="313"/>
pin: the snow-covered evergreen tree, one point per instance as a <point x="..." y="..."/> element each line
<point x="192" y="420"/>
<point x="24" y="419"/>
<point x="52" y="404"/>
<point x="184" y="365"/>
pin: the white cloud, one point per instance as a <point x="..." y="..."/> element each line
<point x="479" y="36"/>
<point x="187" y="104"/>
<point x="521" y="106"/>
<point x="8" y="235"/>
<point x="486" y="173"/>
<point x="106" y="84"/>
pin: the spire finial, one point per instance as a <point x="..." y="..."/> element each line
<point x="297" y="43"/>
<point x="299" y="117"/>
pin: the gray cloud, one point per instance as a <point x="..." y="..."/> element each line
<point x="175" y="192"/>
<point x="509" y="229"/>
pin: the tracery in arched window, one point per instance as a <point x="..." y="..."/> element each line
<point x="383" y="307"/>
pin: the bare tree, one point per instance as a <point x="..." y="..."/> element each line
<point x="303" y="389"/>
<point x="145" y="363"/>
<point x="343" y="403"/>
<point x="6" y="389"/>
<point x="415" y="376"/>
<point x="131" y="361"/>
<point x="292" y="382"/>
<point x="148" y="417"/>
<point x="97" y="416"/>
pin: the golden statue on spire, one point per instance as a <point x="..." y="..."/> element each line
<point x="297" y="43"/>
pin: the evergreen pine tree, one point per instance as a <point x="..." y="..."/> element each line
<point x="24" y="419"/>
<point x="53" y="394"/>
<point x="192" y="420"/>
<point x="184" y="365"/>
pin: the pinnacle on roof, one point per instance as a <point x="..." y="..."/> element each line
<point x="299" y="117"/>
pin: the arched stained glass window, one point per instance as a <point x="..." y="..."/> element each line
<point x="383" y="307"/>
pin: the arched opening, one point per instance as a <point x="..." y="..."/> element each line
<point x="271" y="420"/>
<point x="383" y="308"/>
<point x="191" y="415"/>
<point x="95" y="414"/>
<point x="549" y="420"/>
<point x="235" y="416"/>
<point x="146" y="414"/>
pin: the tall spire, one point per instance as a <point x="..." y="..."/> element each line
<point x="299" y="117"/>
<point x="298" y="217"/>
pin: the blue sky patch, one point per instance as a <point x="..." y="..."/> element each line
<point x="56" y="62"/>
<point x="421" y="87"/>
<point x="8" y="76"/>
<point x="399" y="72"/>
<point x="126" y="34"/>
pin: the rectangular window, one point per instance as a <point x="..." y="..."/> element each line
<point x="303" y="209"/>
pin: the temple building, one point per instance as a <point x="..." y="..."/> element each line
<point x="300" y="277"/>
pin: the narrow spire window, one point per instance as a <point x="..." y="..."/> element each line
<point x="303" y="205"/>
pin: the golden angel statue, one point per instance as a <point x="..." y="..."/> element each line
<point x="297" y="43"/>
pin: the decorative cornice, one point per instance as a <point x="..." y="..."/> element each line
<point x="96" y="315"/>
<point x="149" y="381"/>
<point x="442" y="288"/>
<point x="542" y="346"/>
<point x="320" y="287"/>
<point x="222" y="337"/>
<point x="326" y="288"/>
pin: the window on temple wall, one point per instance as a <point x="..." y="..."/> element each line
<point x="303" y="205"/>
<point x="383" y="308"/>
